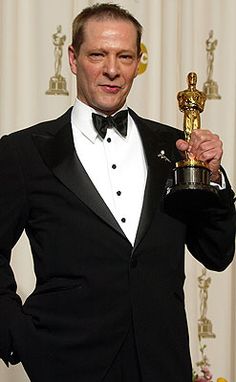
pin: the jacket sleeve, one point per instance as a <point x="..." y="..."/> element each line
<point x="13" y="215"/>
<point x="211" y="230"/>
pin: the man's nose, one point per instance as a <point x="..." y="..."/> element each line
<point x="111" y="67"/>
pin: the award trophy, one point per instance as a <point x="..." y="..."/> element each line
<point x="204" y="324"/>
<point x="57" y="83"/>
<point x="210" y="87"/>
<point x="191" y="176"/>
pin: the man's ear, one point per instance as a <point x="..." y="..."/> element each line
<point x="139" y="59"/>
<point x="72" y="59"/>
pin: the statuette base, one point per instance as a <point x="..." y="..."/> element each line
<point x="190" y="188"/>
<point x="205" y="328"/>
<point x="210" y="88"/>
<point x="191" y="174"/>
<point x="57" y="86"/>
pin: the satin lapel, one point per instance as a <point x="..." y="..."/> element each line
<point x="154" y="142"/>
<point x="59" y="154"/>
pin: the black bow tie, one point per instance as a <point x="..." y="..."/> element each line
<point x="118" y="121"/>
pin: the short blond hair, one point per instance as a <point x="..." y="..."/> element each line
<point x="104" y="11"/>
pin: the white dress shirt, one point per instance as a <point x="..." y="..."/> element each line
<point x="116" y="165"/>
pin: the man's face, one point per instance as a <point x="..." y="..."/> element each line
<point x="106" y="64"/>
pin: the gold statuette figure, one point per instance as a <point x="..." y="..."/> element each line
<point x="57" y="83"/>
<point x="191" y="103"/>
<point x="191" y="176"/>
<point x="210" y="87"/>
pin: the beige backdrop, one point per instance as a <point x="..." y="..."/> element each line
<point x="175" y="32"/>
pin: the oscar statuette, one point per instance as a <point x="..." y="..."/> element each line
<point x="210" y="87"/>
<point x="57" y="83"/>
<point x="191" y="177"/>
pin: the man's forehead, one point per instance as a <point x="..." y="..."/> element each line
<point x="101" y="24"/>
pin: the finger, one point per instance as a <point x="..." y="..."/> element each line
<point x="209" y="155"/>
<point x="200" y="136"/>
<point x="209" y="150"/>
<point x="182" y="145"/>
<point x="205" y="141"/>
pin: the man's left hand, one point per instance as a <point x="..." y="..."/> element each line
<point x="204" y="146"/>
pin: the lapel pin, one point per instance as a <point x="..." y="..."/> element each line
<point x="162" y="155"/>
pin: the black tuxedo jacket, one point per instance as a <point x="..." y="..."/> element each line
<point x="91" y="283"/>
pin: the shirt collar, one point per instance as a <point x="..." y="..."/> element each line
<point x="81" y="119"/>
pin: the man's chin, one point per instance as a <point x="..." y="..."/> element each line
<point x="109" y="108"/>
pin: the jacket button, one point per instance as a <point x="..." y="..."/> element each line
<point x="133" y="262"/>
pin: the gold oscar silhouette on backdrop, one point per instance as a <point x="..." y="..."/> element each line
<point x="57" y="83"/>
<point x="203" y="372"/>
<point x="204" y="324"/>
<point x="210" y="87"/>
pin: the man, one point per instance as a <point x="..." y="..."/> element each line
<point x="109" y="261"/>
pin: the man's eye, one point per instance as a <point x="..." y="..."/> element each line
<point x="96" y="55"/>
<point x="126" y="57"/>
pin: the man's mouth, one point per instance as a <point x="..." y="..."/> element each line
<point x="111" y="88"/>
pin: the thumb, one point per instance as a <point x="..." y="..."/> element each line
<point x="182" y="145"/>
